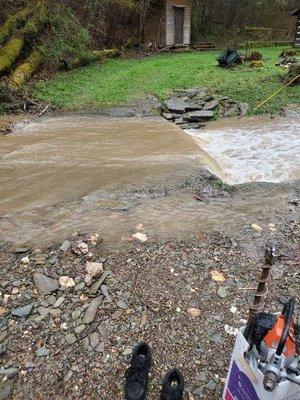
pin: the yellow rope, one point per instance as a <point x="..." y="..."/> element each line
<point x="275" y="94"/>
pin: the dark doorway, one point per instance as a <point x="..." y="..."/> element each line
<point x="179" y="20"/>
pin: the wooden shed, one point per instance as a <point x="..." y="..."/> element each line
<point x="297" y="34"/>
<point x="168" y="24"/>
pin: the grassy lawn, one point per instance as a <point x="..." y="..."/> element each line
<point x="118" y="81"/>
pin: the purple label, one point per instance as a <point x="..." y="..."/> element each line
<point x="240" y="386"/>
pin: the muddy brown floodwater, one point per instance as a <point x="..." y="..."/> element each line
<point x="61" y="175"/>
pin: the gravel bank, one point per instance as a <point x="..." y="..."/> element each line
<point x="71" y="312"/>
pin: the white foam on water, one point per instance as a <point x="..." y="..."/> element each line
<point x="254" y="149"/>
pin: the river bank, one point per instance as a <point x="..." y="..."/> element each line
<point x="113" y="232"/>
<point x="74" y="335"/>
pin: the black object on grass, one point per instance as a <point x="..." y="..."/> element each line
<point x="229" y="58"/>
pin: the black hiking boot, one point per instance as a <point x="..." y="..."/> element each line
<point x="136" y="385"/>
<point x="173" y="386"/>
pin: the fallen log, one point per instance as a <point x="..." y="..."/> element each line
<point x="13" y="23"/>
<point x="11" y="51"/>
<point x="88" y="58"/>
<point x="24" y="72"/>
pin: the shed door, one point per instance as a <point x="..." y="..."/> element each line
<point x="179" y="20"/>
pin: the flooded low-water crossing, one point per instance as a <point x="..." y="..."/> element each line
<point x="76" y="173"/>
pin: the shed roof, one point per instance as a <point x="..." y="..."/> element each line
<point x="297" y="12"/>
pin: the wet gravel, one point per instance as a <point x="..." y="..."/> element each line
<point x="73" y="337"/>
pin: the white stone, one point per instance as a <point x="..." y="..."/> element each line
<point x="94" y="269"/>
<point x="140" y="237"/>
<point x="66" y="282"/>
<point x="25" y="260"/>
<point x="230" y="330"/>
<point x="256" y="227"/>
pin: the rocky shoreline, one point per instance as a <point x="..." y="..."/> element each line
<point x="193" y="108"/>
<point x="71" y="312"/>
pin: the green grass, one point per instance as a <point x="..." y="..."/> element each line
<point x="118" y="81"/>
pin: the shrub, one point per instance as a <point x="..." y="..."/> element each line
<point x="64" y="35"/>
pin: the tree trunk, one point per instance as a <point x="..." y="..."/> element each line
<point x="13" y="23"/>
<point x="97" y="55"/>
<point x="231" y="13"/>
<point x="11" y="51"/>
<point x="24" y="72"/>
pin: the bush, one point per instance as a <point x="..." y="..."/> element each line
<point x="64" y="35"/>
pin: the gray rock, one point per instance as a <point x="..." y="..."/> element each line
<point x="211" y="385"/>
<point x="42" y="352"/>
<point x="53" y="260"/>
<point x="193" y="107"/>
<point x="243" y="108"/>
<point x="22" y="250"/>
<point x="168" y="116"/>
<point x="222" y="292"/>
<point x="211" y="105"/>
<point x="176" y="105"/>
<point x="232" y="111"/>
<point x="216" y="339"/>
<point x="51" y="300"/>
<point x="196" y="92"/>
<point x="91" y="311"/>
<point x="122" y="304"/>
<point x="22" y="311"/>
<point x="70" y="338"/>
<point x="96" y="286"/>
<point x="119" y="112"/>
<point x="198" y="116"/>
<point x="179" y="121"/>
<point x="9" y="372"/>
<point x="94" y="339"/>
<point x="80" y="328"/>
<point x="2" y="349"/>
<point x="104" y="290"/>
<point x="5" y="390"/>
<point x="80" y="287"/>
<point x="59" y="302"/>
<point x="100" y="348"/>
<point x="76" y="313"/>
<point x="283" y="300"/>
<point x="201" y="377"/>
<point x="4" y="320"/>
<point x="55" y="312"/>
<point x="45" y="284"/>
<point x="43" y="311"/>
<point x="30" y="365"/>
<point x="65" y="246"/>
<point x="127" y="352"/>
<point x="192" y="125"/>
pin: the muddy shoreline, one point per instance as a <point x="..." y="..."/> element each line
<point x="76" y="183"/>
<point x="189" y="224"/>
